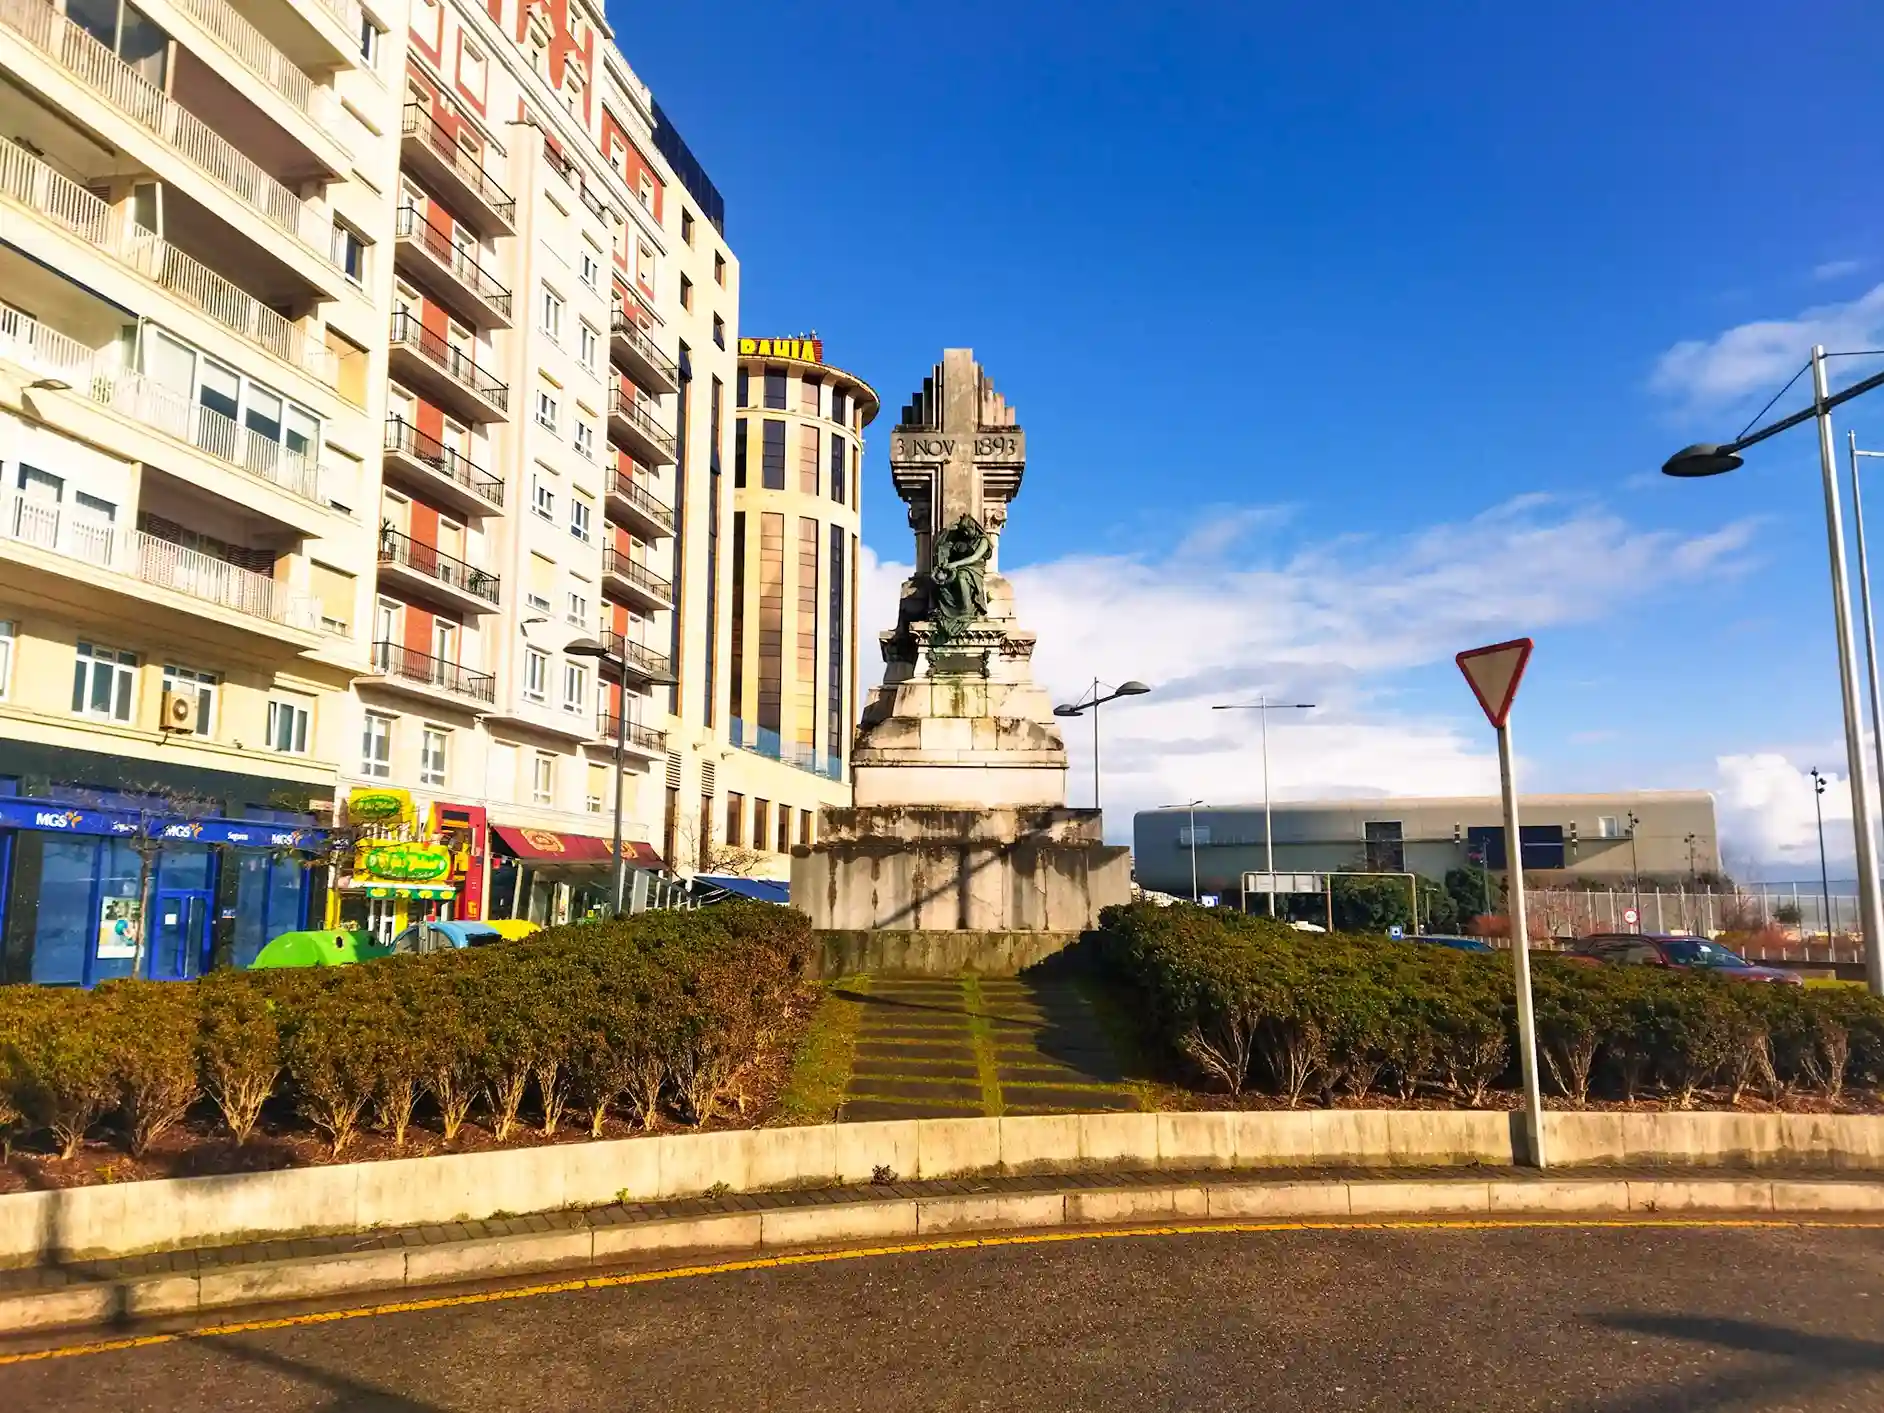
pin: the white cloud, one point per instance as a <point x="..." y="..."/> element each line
<point x="1333" y="623"/>
<point x="1762" y="355"/>
<point x="1766" y="815"/>
<point x="1836" y="269"/>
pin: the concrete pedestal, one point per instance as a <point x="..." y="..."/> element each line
<point x="934" y="868"/>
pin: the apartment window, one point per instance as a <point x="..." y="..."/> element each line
<point x="287" y="727"/>
<point x="1609" y="826"/>
<point x="772" y="461"/>
<point x="644" y="257"/>
<point x="546" y="410"/>
<point x="686" y="294"/>
<point x="350" y="252"/>
<point x="735" y="819"/>
<point x="576" y="613"/>
<point x="761" y="823"/>
<point x="376" y="748"/>
<point x="719" y="332"/>
<point x="572" y="88"/>
<point x="811" y="396"/>
<point x="188" y="682"/>
<point x="537" y="601"/>
<point x="542" y="498"/>
<point x="8" y="632"/>
<point x="840" y="405"/>
<point x="775" y="388"/>
<point x="536" y="673"/>
<point x="369" y="43"/>
<point x="585" y="441"/>
<point x="432" y="756"/>
<point x="808" y="460"/>
<point x="644" y="188"/>
<point x="837" y="467"/>
<point x="550" y="314"/>
<point x="580" y="513"/>
<point x="784" y="829"/>
<point x="587" y="344"/>
<point x="471" y="69"/>
<point x="686" y="225"/>
<point x="598" y="784"/>
<point x="575" y="687"/>
<point x="719" y="270"/>
<point x="591" y="270"/>
<point x="743" y="387"/>
<point x="739" y="451"/>
<point x="543" y="779"/>
<point x="104" y="682"/>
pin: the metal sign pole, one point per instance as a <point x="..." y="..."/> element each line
<point x="1521" y="950"/>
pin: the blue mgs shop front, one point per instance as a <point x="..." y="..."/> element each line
<point x="74" y="891"/>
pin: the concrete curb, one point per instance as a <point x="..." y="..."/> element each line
<point x="115" y="1301"/>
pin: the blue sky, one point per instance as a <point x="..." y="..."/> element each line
<point x="1347" y="336"/>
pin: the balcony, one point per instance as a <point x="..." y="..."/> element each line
<point x="457" y="176"/>
<point x="257" y="54"/>
<point x="634" y="582"/>
<point x="105" y="555"/>
<point x="89" y="374"/>
<point x="764" y="742"/>
<point x="430" y="677"/>
<point x="452" y="272"/>
<point x="634" y="350"/>
<point x="631" y="423"/>
<point x="447" y="375"/>
<point x="428" y="572"/>
<point x="443" y="474"/>
<point x="630" y="503"/>
<point x="644" y="663"/>
<point x="636" y="738"/>
<point x="182" y="132"/>
<point x="28" y="182"/>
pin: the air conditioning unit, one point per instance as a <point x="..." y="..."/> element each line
<point x="180" y="711"/>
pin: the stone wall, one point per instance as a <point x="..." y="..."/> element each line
<point x="848" y="953"/>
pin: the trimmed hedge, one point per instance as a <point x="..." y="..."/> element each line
<point x="1247" y="1002"/>
<point x="666" y="1010"/>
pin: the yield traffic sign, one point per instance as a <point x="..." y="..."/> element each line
<point x="1493" y="674"/>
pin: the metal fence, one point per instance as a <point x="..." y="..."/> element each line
<point x="1571" y="912"/>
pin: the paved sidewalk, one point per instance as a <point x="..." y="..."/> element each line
<point x="1435" y="1182"/>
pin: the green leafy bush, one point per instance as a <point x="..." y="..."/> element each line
<point x="238" y="1049"/>
<point x="1243" y="1000"/>
<point x="152" y="1032"/>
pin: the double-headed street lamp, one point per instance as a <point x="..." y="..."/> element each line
<point x="1264" y="706"/>
<point x="1090" y="700"/>
<point x="1707" y="459"/>
<point x="589" y="647"/>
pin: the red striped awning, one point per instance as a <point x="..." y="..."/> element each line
<point x="550" y="846"/>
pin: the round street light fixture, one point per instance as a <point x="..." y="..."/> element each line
<point x="1702" y="459"/>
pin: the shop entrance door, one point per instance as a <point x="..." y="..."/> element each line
<point x="180" y="937"/>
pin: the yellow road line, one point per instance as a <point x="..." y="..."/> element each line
<point x="966" y="1243"/>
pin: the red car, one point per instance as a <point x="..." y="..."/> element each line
<point x="1653" y="949"/>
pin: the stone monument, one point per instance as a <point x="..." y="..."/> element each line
<point x="959" y="821"/>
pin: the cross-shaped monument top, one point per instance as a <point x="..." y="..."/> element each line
<point x="957" y="450"/>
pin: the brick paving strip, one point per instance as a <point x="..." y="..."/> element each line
<point x="178" y="1283"/>
<point x="975" y="1046"/>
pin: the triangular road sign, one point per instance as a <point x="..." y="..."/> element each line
<point x="1493" y="674"/>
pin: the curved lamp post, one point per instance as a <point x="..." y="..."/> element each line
<point x="589" y="647"/>
<point x="1711" y="459"/>
<point x="1092" y="701"/>
<point x="1265" y="706"/>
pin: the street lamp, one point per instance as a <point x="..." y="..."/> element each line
<point x="1191" y="808"/>
<point x="1082" y="706"/>
<point x="1707" y="459"/>
<point x="1635" y="871"/>
<point x="1263" y="705"/>
<point x="589" y="647"/>
<point x="1825" y="879"/>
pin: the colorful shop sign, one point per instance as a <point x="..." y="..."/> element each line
<point x="379" y="806"/>
<point x="465" y="831"/>
<point x="804" y="350"/>
<point x="403" y="863"/>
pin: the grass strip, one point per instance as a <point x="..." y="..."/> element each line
<point x="981" y="1034"/>
<point x="821" y="1069"/>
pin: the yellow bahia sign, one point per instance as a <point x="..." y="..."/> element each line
<point x="805" y="350"/>
<point x="403" y="863"/>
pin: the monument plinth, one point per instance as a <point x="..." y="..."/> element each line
<point x="959" y="772"/>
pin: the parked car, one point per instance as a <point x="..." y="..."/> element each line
<point x="319" y="947"/>
<point x="1458" y="944"/>
<point x="1654" y="949"/>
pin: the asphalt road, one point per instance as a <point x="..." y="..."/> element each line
<point x="1633" y="1320"/>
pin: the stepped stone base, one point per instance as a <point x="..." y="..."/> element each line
<point x="926" y="868"/>
<point x="925" y="953"/>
